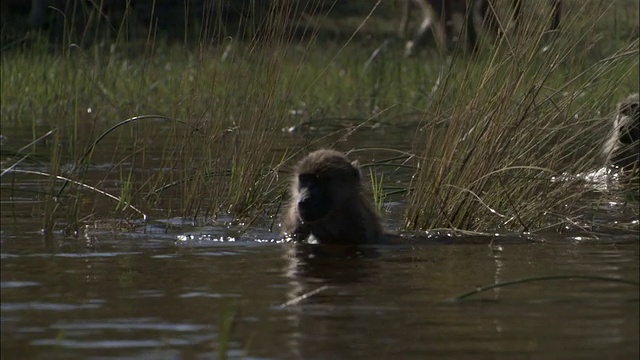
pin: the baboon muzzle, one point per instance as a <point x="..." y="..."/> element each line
<point x="312" y="205"/>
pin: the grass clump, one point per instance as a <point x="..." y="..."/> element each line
<point x="220" y="108"/>
<point x="530" y="110"/>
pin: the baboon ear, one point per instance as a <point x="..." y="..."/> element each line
<point x="356" y="166"/>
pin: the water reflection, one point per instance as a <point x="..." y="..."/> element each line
<point x="319" y="278"/>
<point x="333" y="264"/>
<point x="396" y="300"/>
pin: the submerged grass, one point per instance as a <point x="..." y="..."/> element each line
<point x="225" y="327"/>
<point x="195" y="130"/>
<point x="543" y="278"/>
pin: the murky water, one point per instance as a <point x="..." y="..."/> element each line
<point x="134" y="296"/>
<point x="184" y="293"/>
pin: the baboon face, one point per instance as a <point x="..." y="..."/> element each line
<point x="324" y="180"/>
<point x="314" y="199"/>
<point x="622" y="147"/>
<point x="628" y="120"/>
<point x="327" y="205"/>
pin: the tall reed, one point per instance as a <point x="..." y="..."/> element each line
<point x="222" y="105"/>
<point x="190" y="125"/>
<point x="512" y="120"/>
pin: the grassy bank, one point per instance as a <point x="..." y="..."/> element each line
<point x="489" y="132"/>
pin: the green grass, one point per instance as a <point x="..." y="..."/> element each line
<point x="377" y="188"/>
<point x="492" y="129"/>
<point x="515" y="118"/>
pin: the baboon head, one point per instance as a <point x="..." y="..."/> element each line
<point x="327" y="205"/>
<point x="628" y="120"/>
<point x="324" y="179"/>
<point x="622" y="148"/>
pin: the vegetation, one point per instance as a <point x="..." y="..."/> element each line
<point x="529" y="111"/>
<point x="195" y="128"/>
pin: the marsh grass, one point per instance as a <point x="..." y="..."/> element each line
<point x="51" y="202"/>
<point x="514" y="119"/>
<point x="194" y="130"/>
<point x="225" y="327"/>
<point x="377" y="188"/>
<point x="224" y="106"/>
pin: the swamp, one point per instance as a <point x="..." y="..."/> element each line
<point x="147" y="150"/>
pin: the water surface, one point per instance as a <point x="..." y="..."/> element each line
<point x="159" y="292"/>
<point x="150" y="296"/>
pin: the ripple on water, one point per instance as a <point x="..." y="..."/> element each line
<point x="17" y="284"/>
<point x="82" y="334"/>
<point x="36" y="305"/>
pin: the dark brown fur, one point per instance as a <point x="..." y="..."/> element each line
<point x="327" y="204"/>
<point x="622" y="147"/>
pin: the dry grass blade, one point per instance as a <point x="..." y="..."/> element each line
<point x="122" y="123"/>
<point x="22" y="149"/>
<point x="542" y="278"/>
<point x="89" y="187"/>
<point x="297" y="299"/>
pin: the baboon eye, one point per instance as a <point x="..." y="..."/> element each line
<point x="307" y="180"/>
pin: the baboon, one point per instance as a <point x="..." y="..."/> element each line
<point x="404" y="17"/>
<point x="438" y="15"/>
<point x="622" y="147"/>
<point x="327" y="204"/>
<point x="426" y="15"/>
<point x="491" y="19"/>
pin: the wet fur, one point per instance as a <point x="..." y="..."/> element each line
<point x="338" y="212"/>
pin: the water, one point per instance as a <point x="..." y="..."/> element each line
<point x="117" y="296"/>
<point x="192" y="292"/>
